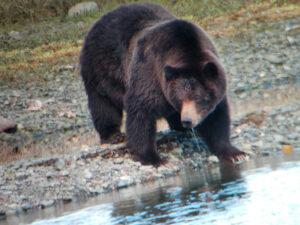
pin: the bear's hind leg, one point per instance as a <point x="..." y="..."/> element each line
<point x="107" y="118"/>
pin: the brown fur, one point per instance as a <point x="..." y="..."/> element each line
<point x="141" y="59"/>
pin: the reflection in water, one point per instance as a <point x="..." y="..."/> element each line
<point x="265" y="195"/>
<point x="172" y="204"/>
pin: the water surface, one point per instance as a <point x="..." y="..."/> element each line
<point x="262" y="191"/>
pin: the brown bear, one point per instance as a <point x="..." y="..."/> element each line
<point x="141" y="59"/>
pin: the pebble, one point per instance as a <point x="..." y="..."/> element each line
<point x="213" y="159"/>
<point x="274" y="59"/>
<point x="118" y="161"/>
<point x="26" y="206"/>
<point x="59" y="164"/>
<point x="277" y="138"/>
<point x="88" y="175"/>
<point x="125" y="181"/>
<point x="46" y="203"/>
<point x="35" y="105"/>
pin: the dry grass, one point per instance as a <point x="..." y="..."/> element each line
<point x="233" y="23"/>
<point x="53" y="44"/>
<point x="38" y="60"/>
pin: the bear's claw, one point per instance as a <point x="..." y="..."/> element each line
<point x="232" y="154"/>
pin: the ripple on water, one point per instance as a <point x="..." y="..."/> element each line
<point x="261" y="196"/>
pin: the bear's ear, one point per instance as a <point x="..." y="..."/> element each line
<point x="210" y="69"/>
<point x="170" y="72"/>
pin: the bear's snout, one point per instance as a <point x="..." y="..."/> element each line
<point x="190" y="117"/>
<point x="187" y="123"/>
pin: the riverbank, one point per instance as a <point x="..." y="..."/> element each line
<point x="55" y="156"/>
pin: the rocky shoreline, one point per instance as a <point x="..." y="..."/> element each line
<point x="263" y="66"/>
<point x="40" y="183"/>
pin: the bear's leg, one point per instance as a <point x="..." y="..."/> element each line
<point x="174" y="122"/>
<point x="140" y="133"/>
<point x="215" y="130"/>
<point x="107" y="118"/>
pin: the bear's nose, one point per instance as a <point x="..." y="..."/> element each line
<point x="187" y="123"/>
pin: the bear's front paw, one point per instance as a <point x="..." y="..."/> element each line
<point x="231" y="154"/>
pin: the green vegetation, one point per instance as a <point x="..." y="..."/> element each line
<point x="50" y="38"/>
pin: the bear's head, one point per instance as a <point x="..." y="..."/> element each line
<point x="194" y="90"/>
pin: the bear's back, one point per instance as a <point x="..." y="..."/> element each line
<point x="121" y="24"/>
<point x="108" y="41"/>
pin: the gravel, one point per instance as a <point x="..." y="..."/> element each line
<point x="258" y="64"/>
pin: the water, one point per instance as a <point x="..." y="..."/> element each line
<point x="262" y="191"/>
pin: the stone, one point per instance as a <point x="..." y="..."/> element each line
<point x="64" y="173"/>
<point x="291" y="40"/>
<point x="82" y="8"/>
<point x="21" y="175"/>
<point x="26" y="206"/>
<point x="15" y="35"/>
<point x="287" y="149"/>
<point x="88" y="175"/>
<point x="46" y="203"/>
<point x="213" y="159"/>
<point x="277" y="138"/>
<point x="35" y="105"/>
<point x="118" y="161"/>
<point x="59" y="164"/>
<point x="125" y="181"/>
<point x="274" y="59"/>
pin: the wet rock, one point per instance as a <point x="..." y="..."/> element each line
<point x="125" y="181"/>
<point x="166" y="171"/>
<point x="26" y="206"/>
<point x="46" y="203"/>
<point x="82" y="8"/>
<point x="2" y="214"/>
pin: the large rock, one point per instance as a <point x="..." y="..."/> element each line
<point x="15" y="35"/>
<point x="83" y="7"/>
<point x="7" y="126"/>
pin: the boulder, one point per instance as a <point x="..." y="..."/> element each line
<point x="83" y="7"/>
<point x="15" y="35"/>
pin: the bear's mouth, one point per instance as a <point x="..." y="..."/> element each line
<point x="190" y="116"/>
